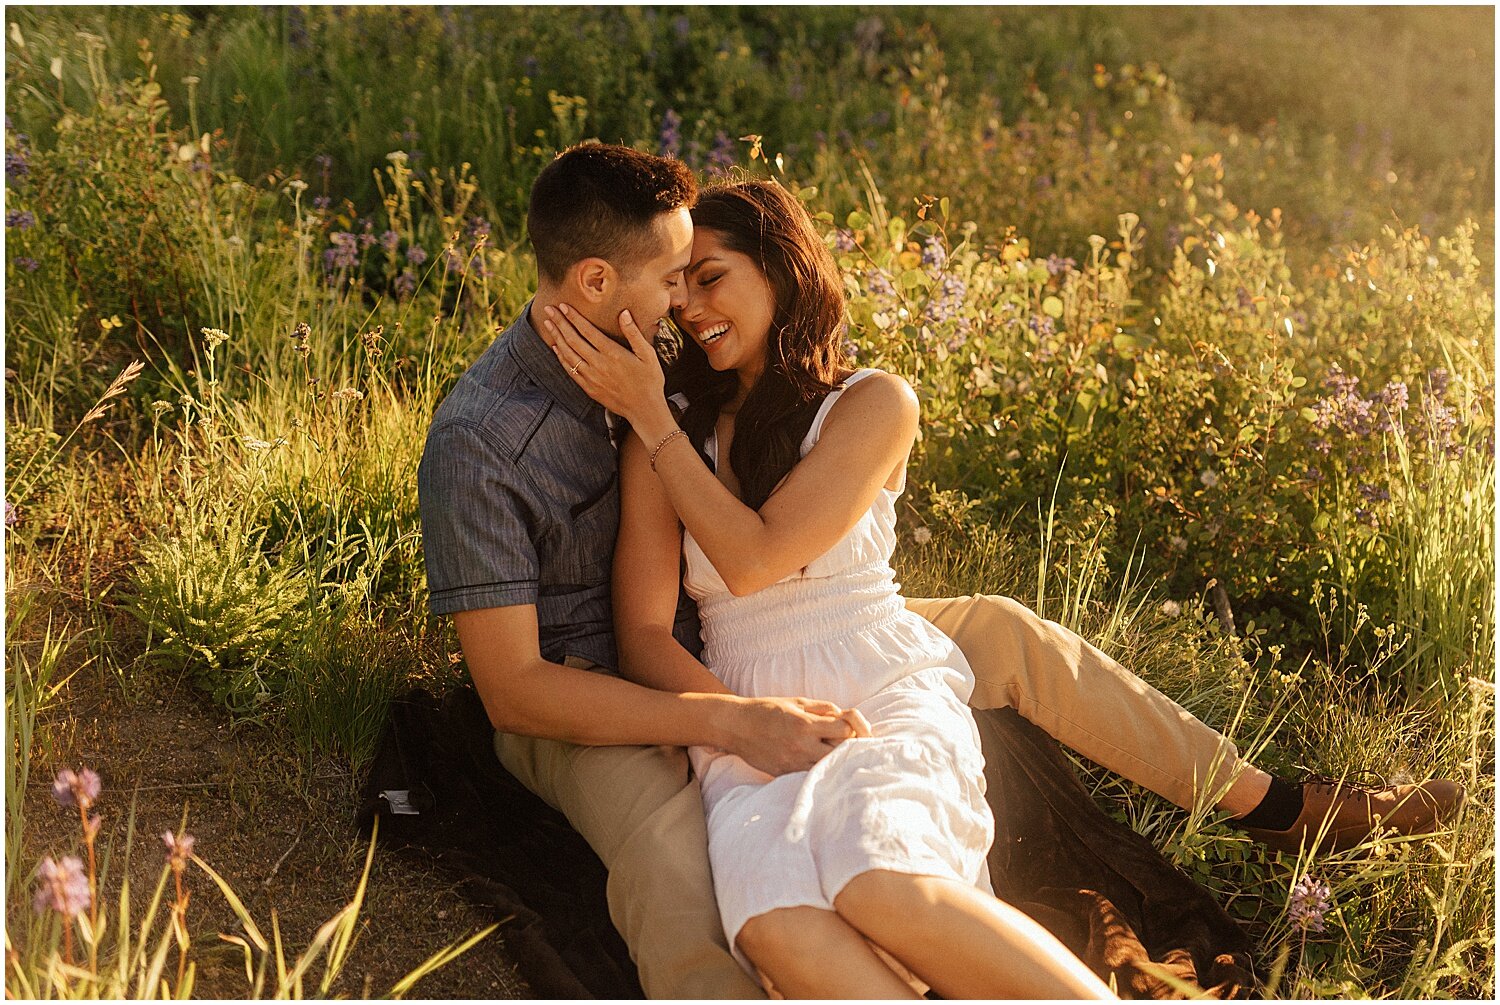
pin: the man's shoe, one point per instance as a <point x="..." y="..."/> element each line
<point x="1339" y="815"/>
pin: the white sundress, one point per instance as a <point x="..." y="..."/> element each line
<point x="908" y="799"/>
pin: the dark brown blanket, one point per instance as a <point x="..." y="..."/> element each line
<point x="1100" y="887"/>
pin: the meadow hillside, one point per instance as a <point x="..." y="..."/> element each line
<point x="1199" y="304"/>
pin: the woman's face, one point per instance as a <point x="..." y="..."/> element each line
<point x="730" y="306"/>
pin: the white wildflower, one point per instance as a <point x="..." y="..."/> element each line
<point x="1171" y="608"/>
<point x="297" y="185"/>
<point x="921" y="535"/>
<point x="347" y="394"/>
<point x="214" y="337"/>
<point x="1177" y="542"/>
<point x="1208" y="477"/>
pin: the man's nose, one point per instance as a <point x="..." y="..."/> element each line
<point x="679" y="296"/>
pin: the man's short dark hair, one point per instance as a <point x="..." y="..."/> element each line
<point x="597" y="200"/>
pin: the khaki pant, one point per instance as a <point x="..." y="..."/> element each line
<point x="640" y="810"/>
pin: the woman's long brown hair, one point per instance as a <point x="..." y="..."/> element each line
<point x="804" y="353"/>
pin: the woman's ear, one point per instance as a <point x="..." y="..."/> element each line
<point x="593" y="279"/>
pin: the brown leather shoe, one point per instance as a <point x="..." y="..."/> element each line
<point x="1352" y="812"/>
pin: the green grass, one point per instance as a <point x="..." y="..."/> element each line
<point x="1128" y="444"/>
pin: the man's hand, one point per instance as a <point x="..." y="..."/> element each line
<point x="783" y="735"/>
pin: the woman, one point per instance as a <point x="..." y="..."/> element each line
<point x="785" y="512"/>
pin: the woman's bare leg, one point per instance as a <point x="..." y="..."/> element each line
<point x="961" y="940"/>
<point x="810" y="953"/>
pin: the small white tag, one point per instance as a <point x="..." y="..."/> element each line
<point x="399" y="801"/>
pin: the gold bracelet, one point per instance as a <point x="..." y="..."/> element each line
<point x="664" y="441"/>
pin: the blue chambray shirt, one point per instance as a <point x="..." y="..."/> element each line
<point x="520" y="498"/>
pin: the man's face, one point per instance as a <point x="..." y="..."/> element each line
<point x="657" y="287"/>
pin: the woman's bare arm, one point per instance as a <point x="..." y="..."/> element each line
<point x="865" y="440"/>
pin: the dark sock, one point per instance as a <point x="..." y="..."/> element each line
<point x="1277" y="811"/>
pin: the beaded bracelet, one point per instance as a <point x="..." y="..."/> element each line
<point x="664" y="441"/>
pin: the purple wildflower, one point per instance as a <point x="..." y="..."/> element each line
<point x="409" y="135"/>
<point x="1437" y="382"/>
<point x="879" y="283"/>
<point x="843" y="240"/>
<point x="21" y="219"/>
<point x="321" y="202"/>
<point x="179" y="847"/>
<point x="324" y="161"/>
<point x="1309" y="901"/>
<point x="62" y="887"/>
<point x="934" y="255"/>
<point x="670" y="140"/>
<point x="415" y="255"/>
<point x="29" y="264"/>
<point x="1057" y="266"/>
<point x="478" y="227"/>
<point x="1041" y="325"/>
<point x="530" y="65"/>
<point x="12" y="515"/>
<point x="681" y="26"/>
<point x="453" y="259"/>
<point x="1395" y="396"/>
<point x="390" y="241"/>
<point x="16" y="165"/>
<point x="721" y="157"/>
<point x="80" y="788"/>
<point x="345" y="251"/>
<point x="405" y="284"/>
<point x="945" y="305"/>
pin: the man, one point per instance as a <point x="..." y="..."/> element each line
<point x="519" y="501"/>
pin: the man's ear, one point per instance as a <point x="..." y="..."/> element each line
<point x="594" y="279"/>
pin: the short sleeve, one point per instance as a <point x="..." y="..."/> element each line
<point x="478" y="530"/>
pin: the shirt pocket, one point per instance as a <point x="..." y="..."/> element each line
<point x="585" y="542"/>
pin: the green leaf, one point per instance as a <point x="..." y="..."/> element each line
<point x="857" y="220"/>
<point x="1052" y="307"/>
<point x="915" y="279"/>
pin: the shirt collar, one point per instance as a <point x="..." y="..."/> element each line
<point x="541" y="364"/>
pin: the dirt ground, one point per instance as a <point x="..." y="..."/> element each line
<point x="279" y="831"/>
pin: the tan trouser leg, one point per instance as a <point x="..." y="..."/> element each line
<point x="1082" y="698"/>
<point x="643" y="815"/>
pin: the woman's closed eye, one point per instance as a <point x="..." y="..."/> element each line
<point x="706" y="281"/>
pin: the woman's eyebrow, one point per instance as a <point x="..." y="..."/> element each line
<point x="702" y="262"/>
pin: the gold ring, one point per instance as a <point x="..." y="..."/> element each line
<point x="574" y="370"/>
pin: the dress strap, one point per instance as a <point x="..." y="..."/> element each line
<point x="816" y="428"/>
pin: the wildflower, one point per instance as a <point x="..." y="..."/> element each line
<point x="921" y="535"/>
<point x="160" y="408"/>
<point x="1013" y="455"/>
<point x="62" y="887"/>
<point x="29" y="264"/>
<point x="214" y="338"/>
<point x="530" y="65"/>
<point x="1208" y="477"/>
<point x="1437" y="382"/>
<point x="1057" y="266"/>
<point x="347" y="394"/>
<point x="80" y="788"/>
<point x="371" y="341"/>
<point x="415" y="255"/>
<point x="322" y="202"/>
<point x="390" y="240"/>
<point x="478" y="228"/>
<point x="324" y="161"/>
<point x="297" y="185"/>
<point x="179" y="848"/>
<point x="251" y="443"/>
<point x="21" y="219"/>
<point x="934" y="255"/>
<point x="345" y="251"/>
<point x="405" y="284"/>
<point x="681" y="26"/>
<point x="1309" y="901"/>
<point x="879" y="283"/>
<point x="721" y="157"/>
<point x="670" y="140"/>
<point x="945" y="305"/>
<point x="1042" y="326"/>
<point x="1171" y="608"/>
<point x="1177" y="543"/>
<point x="410" y="135"/>
<point x="12" y="515"/>
<point x="300" y="336"/>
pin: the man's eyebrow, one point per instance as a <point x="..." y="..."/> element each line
<point x="702" y="262"/>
